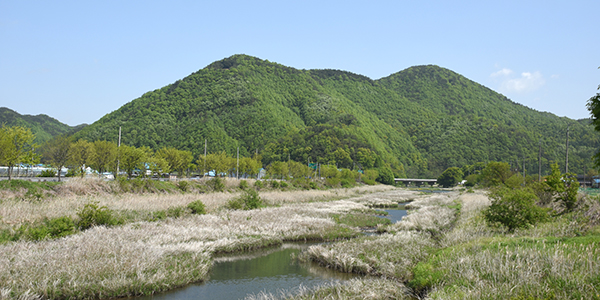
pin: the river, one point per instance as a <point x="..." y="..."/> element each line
<point x="270" y="270"/>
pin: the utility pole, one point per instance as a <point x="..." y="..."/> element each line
<point x="567" y="157"/>
<point x="204" y="169"/>
<point x="118" y="154"/>
<point x="540" y="162"/>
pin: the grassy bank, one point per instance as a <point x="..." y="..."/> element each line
<point x="144" y="257"/>
<point x="445" y="250"/>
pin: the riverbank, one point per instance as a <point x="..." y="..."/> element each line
<point x="144" y="257"/>
<point x="445" y="250"/>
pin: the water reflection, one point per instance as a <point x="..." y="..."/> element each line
<point x="395" y="215"/>
<point x="272" y="270"/>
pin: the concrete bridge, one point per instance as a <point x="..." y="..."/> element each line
<point x="417" y="182"/>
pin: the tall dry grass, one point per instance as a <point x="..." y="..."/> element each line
<point x="359" y="289"/>
<point x="394" y="254"/>
<point x="75" y="193"/>
<point x="144" y="257"/>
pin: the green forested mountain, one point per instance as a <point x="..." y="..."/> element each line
<point x="420" y="120"/>
<point x="43" y="126"/>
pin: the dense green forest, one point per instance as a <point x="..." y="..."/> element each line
<point x="419" y="121"/>
<point x="42" y="126"/>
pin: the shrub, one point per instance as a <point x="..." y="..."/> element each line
<point x="175" y="212"/>
<point x="92" y="215"/>
<point x="385" y="176"/>
<point x="258" y="184"/>
<point x="72" y="173"/>
<point x="568" y="196"/>
<point x="313" y="185"/>
<point x="244" y="184"/>
<point x="216" y="184"/>
<point x="515" y="181"/>
<point x="48" y="173"/>
<point x="274" y="184"/>
<point x="514" y="209"/>
<point x="542" y="191"/>
<point x="183" y="185"/>
<point x="472" y="180"/>
<point x="248" y="200"/>
<point x="370" y="176"/>
<point x="496" y="173"/>
<point x="62" y="226"/>
<point x="283" y="185"/>
<point x="346" y="183"/>
<point x="450" y="177"/>
<point x="49" y="228"/>
<point x="197" y="207"/>
<point x="332" y="182"/>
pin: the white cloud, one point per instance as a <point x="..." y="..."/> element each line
<point x="503" y="72"/>
<point x="527" y="82"/>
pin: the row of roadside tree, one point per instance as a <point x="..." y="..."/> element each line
<point x="17" y="147"/>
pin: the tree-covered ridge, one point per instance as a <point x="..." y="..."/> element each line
<point x="420" y="120"/>
<point x="42" y="126"/>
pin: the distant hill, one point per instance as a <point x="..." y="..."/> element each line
<point x="43" y="126"/>
<point x="420" y="120"/>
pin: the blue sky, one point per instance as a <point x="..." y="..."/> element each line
<point x="79" y="60"/>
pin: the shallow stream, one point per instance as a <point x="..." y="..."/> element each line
<point x="269" y="270"/>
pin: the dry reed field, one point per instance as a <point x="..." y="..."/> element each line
<point x="73" y="194"/>
<point x="443" y="248"/>
<point x="394" y="254"/>
<point x="145" y="257"/>
<point x="354" y="289"/>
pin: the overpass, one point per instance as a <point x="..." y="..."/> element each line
<point x="417" y="182"/>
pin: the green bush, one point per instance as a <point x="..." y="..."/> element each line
<point x="450" y="177"/>
<point x="332" y="181"/>
<point x="243" y="184"/>
<point x="514" y="209"/>
<point x="216" y="184"/>
<point x="197" y="207"/>
<point x="258" y="184"/>
<point x="514" y="181"/>
<point x="183" y="185"/>
<point x="472" y="180"/>
<point x="274" y="184"/>
<point x="175" y="212"/>
<point x="370" y="176"/>
<point x="283" y="184"/>
<point x="543" y="192"/>
<point x="385" y="176"/>
<point x="248" y="200"/>
<point x="313" y="185"/>
<point x="568" y="194"/>
<point x="62" y="226"/>
<point x="72" y="172"/>
<point x="92" y="215"/>
<point x="48" y="173"/>
<point x="346" y="183"/>
<point x="49" y="228"/>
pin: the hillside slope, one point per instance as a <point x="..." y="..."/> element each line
<point x="420" y="120"/>
<point x="43" y="126"/>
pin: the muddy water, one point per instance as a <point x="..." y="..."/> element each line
<point x="271" y="271"/>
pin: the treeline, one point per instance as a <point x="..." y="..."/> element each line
<point x="106" y="156"/>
